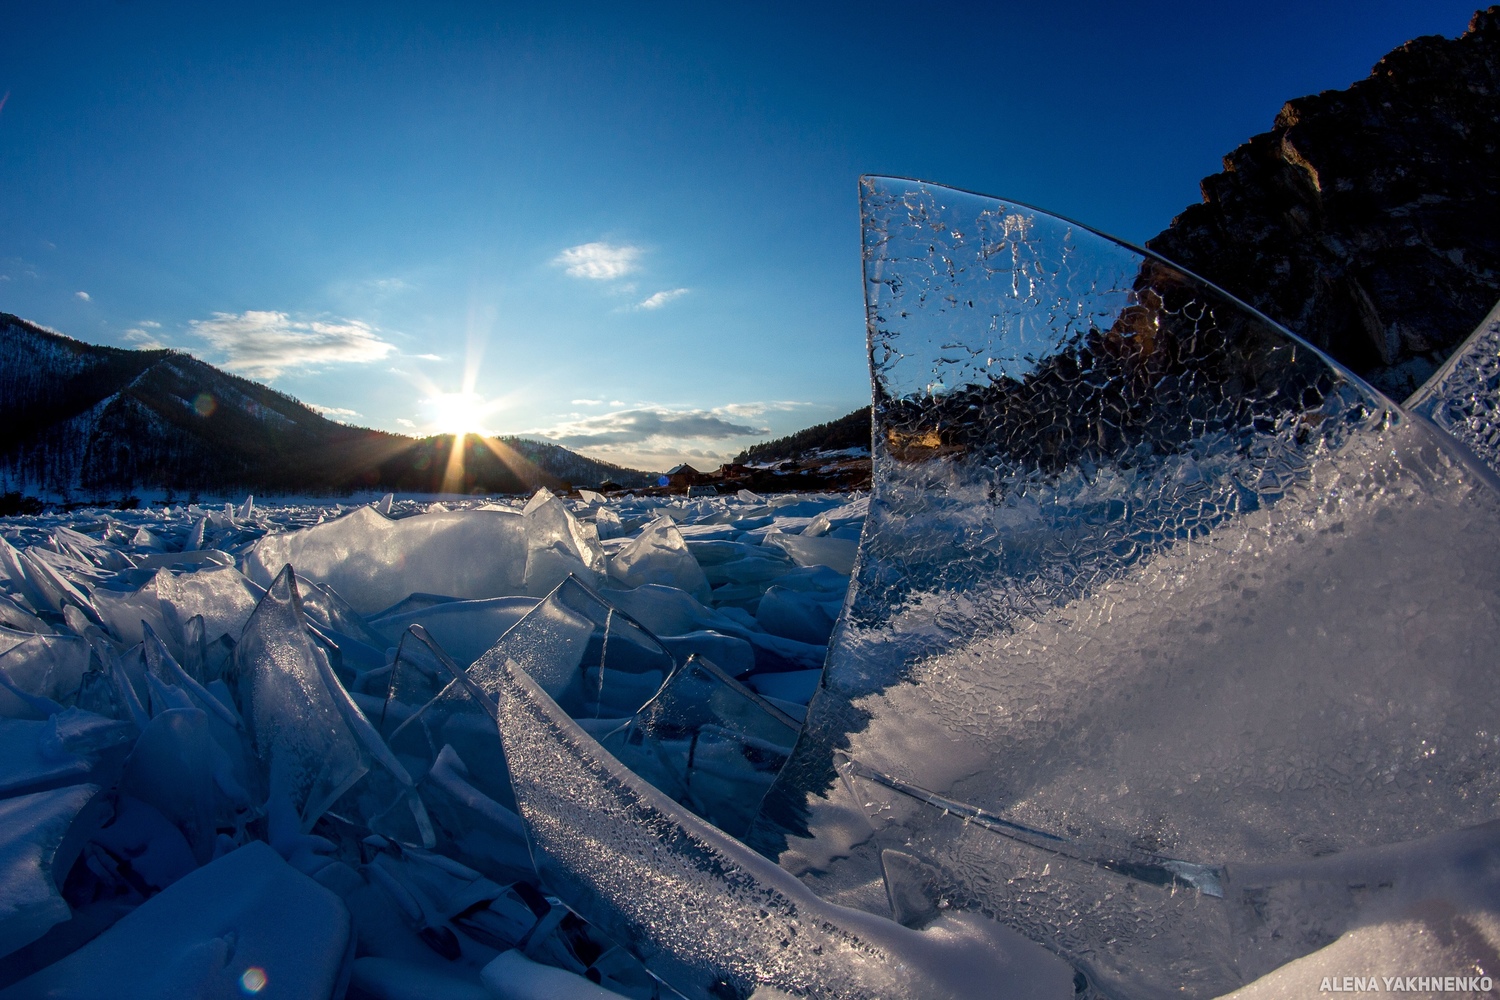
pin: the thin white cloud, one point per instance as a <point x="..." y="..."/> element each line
<point x="147" y="341"/>
<point x="756" y="409"/>
<point x="599" y="261"/>
<point x="406" y="423"/>
<point x="150" y="324"/>
<point x="587" y="402"/>
<point x="661" y="298"/>
<point x="263" y="344"/>
<point x="332" y="411"/>
<point x="426" y="357"/>
<point x="83" y="296"/>
<point x="658" y="425"/>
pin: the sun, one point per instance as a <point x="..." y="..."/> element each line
<point x="458" y="413"/>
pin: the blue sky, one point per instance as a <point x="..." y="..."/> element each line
<point x="628" y="228"/>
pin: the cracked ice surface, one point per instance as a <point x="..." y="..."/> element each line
<point x="1463" y="396"/>
<point x="1152" y="600"/>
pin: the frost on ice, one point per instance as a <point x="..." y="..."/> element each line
<point x="1158" y="611"/>
<point x="1167" y="667"/>
<point x="1463" y="396"/>
<point x="703" y="911"/>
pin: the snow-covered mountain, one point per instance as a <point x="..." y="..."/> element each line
<point x="79" y="420"/>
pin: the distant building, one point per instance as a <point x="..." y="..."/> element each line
<point x="732" y="470"/>
<point x="683" y="476"/>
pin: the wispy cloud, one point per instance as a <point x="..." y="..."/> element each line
<point x="662" y="298"/>
<point x="267" y="344"/>
<point x="150" y="324"/>
<point x="599" y="261"/>
<point x="82" y="296"/>
<point x="756" y="409"/>
<point x="646" y="424"/>
<point x="332" y="411"/>
<point x="406" y="423"/>
<point x="3" y="100"/>
<point x="426" y="357"/>
<point x="145" y="339"/>
<point x="18" y="266"/>
<point x="587" y="402"/>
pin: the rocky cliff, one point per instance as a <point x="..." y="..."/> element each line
<point x="1367" y="219"/>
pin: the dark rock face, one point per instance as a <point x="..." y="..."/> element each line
<point x="1368" y="219"/>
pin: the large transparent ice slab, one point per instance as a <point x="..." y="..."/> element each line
<point x="373" y="561"/>
<point x="1463" y="396"/>
<point x="707" y="915"/>
<point x="1147" y="575"/>
<point x="316" y="749"/>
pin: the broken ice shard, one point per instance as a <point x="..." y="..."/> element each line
<point x="594" y="660"/>
<point x="659" y="554"/>
<point x="433" y="705"/>
<point x="558" y="544"/>
<point x="707" y="915"/>
<point x="172" y="770"/>
<point x="33" y="760"/>
<point x="40" y="837"/>
<point x="316" y="748"/>
<point x="1463" y="396"/>
<point x="674" y="717"/>
<point x="465" y="629"/>
<point x="246" y="922"/>
<point x="719" y="743"/>
<point x="39" y="672"/>
<point x="1141" y="570"/>
<point x="220" y="594"/>
<point x="373" y="561"/>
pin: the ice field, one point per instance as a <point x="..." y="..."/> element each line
<point x="1160" y="660"/>
<point x="165" y="708"/>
